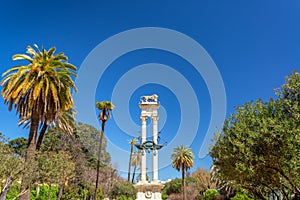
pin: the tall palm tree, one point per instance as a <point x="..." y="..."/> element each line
<point x="105" y="107"/>
<point x="39" y="91"/>
<point x="135" y="162"/>
<point x="132" y="143"/>
<point x="65" y="123"/>
<point x="182" y="157"/>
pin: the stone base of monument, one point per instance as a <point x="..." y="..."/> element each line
<point x="148" y="190"/>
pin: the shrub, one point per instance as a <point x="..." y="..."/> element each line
<point x="44" y="192"/>
<point x="172" y="187"/>
<point x="164" y="197"/>
<point x="71" y="192"/>
<point x="13" y="192"/>
<point x="210" y="194"/>
<point x="100" y="195"/>
<point x="122" y="188"/>
<point x="240" y="196"/>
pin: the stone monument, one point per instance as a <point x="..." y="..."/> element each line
<point x="149" y="190"/>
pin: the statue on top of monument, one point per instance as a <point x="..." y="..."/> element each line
<point x="149" y="99"/>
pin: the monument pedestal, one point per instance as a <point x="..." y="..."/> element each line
<point x="148" y="190"/>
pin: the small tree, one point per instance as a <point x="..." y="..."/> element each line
<point x="105" y="107"/>
<point x="258" y="147"/>
<point x="11" y="167"/>
<point x="132" y="143"/>
<point x="122" y="188"/>
<point x="240" y="196"/>
<point x="210" y="194"/>
<point x="182" y="160"/>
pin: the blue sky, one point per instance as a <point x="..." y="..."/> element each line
<point x="254" y="45"/>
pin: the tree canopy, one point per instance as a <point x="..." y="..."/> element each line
<point x="259" y="146"/>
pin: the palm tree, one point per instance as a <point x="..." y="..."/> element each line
<point x="40" y="93"/>
<point x="105" y="107"/>
<point x="182" y="157"/>
<point x="136" y="162"/>
<point x="132" y="143"/>
<point x="65" y="123"/>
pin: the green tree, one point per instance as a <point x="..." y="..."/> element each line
<point x="105" y="107"/>
<point x="174" y="187"/>
<point x="204" y="179"/>
<point x="11" y="167"/>
<point x="71" y="192"/>
<point x="19" y="146"/>
<point x="55" y="168"/>
<point x="135" y="162"/>
<point x="88" y="136"/>
<point x="182" y="157"/>
<point x="82" y="146"/>
<point x="210" y="194"/>
<point x="40" y="92"/>
<point x="132" y="143"/>
<point x="259" y="146"/>
<point x="240" y="196"/>
<point x="65" y="123"/>
<point x="122" y="188"/>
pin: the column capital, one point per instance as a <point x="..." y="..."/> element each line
<point x="154" y="118"/>
<point x="143" y="118"/>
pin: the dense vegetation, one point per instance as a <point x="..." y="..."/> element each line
<point x="259" y="146"/>
<point x="65" y="166"/>
<point x="255" y="155"/>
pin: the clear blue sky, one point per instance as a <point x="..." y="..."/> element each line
<point x="254" y="45"/>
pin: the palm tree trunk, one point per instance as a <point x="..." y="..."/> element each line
<point x="133" y="174"/>
<point x="129" y="167"/>
<point x="29" y="158"/>
<point x="41" y="136"/>
<point x="183" y="183"/>
<point x="99" y="156"/>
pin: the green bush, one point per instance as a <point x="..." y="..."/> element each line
<point x="240" y="196"/>
<point x="13" y="192"/>
<point x="122" y="188"/>
<point x="44" y="192"/>
<point x="173" y="187"/>
<point x="210" y="194"/>
<point x="100" y="195"/>
<point x="164" y="197"/>
<point x="71" y="192"/>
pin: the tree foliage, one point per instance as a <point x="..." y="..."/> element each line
<point x="182" y="159"/>
<point x="259" y="146"/>
<point x="122" y="188"/>
<point x="132" y="142"/>
<point x="40" y="92"/>
<point x="18" y="145"/>
<point x="240" y="196"/>
<point x="81" y="149"/>
<point x="204" y="179"/>
<point x="55" y="167"/>
<point x="11" y="167"/>
<point x="210" y="194"/>
<point x="173" y="188"/>
<point x="136" y="162"/>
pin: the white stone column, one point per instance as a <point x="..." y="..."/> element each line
<point x="144" y="158"/>
<point x="155" y="152"/>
